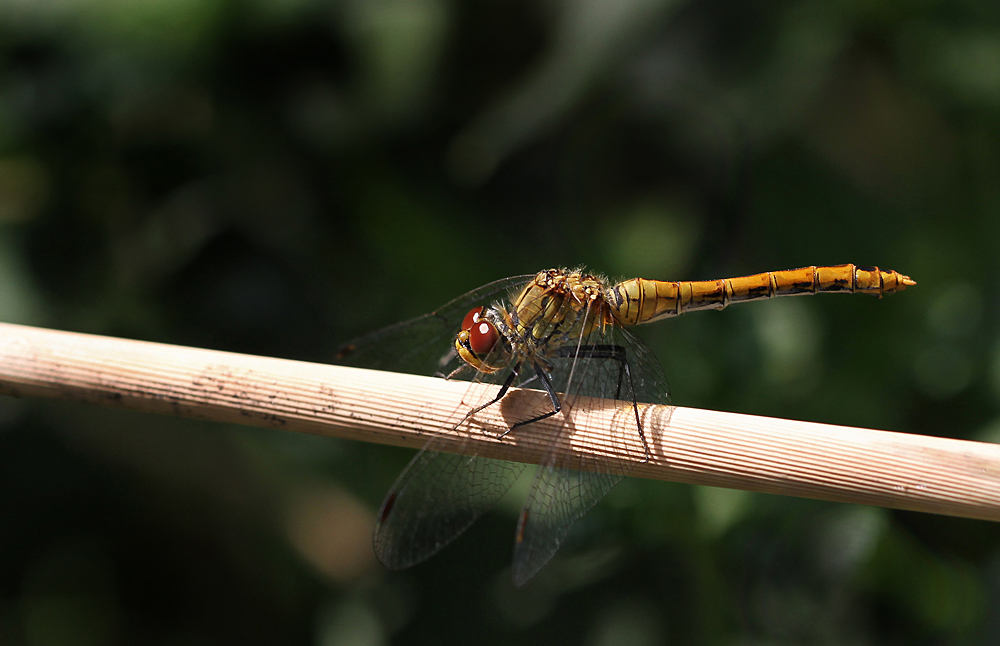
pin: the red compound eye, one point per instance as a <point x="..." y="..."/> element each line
<point x="482" y="337"/>
<point x="472" y="318"/>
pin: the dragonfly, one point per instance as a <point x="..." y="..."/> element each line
<point x="566" y="333"/>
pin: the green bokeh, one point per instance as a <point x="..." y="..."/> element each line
<point x="276" y="177"/>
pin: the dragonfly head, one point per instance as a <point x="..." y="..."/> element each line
<point x="480" y="343"/>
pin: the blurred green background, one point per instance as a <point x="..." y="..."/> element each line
<point x="278" y="176"/>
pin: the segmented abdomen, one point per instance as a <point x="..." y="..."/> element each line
<point x="639" y="300"/>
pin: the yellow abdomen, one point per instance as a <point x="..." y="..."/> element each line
<point x="639" y="300"/>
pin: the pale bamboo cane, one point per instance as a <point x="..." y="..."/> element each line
<point x="904" y="471"/>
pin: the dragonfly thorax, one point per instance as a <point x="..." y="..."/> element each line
<point x="555" y="309"/>
<point x="560" y="306"/>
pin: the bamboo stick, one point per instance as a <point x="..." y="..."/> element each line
<point x="930" y="474"/>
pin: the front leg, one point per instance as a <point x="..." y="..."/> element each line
<point x="500" y="395"/>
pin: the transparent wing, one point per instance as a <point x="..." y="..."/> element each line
<point x="424" y="345"/>
<point x="559" y="497"/>
<point x="439" y="495"/>
<point x="613" y="365"/>
<point x="434" y="500"/>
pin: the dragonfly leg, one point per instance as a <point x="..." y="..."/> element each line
<point x="556" y="404"/>
<point x="615" y="353"/>
<point x="503" y="391"/>
<point x="454" y="373"/>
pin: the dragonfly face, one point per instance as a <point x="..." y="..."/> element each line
<point x="480" y="344"/>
